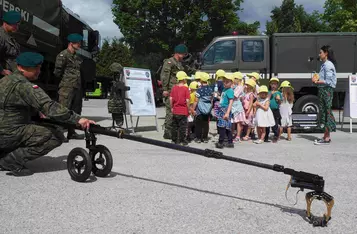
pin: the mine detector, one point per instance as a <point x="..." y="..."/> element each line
<point x="97" y="159"/>
<point x="44" y="28"/>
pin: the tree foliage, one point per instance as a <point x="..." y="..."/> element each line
<point x="114" y="51"/>
<point x="153" y="26"/>
<point x="290" y="18"/>
<point x="341" y="15"/>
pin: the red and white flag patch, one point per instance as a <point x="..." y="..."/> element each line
<point x="35" y="86"/>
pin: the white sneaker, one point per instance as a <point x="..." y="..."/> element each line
<point x="258" y="142"/>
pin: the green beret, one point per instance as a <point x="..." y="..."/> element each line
<point x="75" y="37"/>
<point x="29" y="59"/>
<point x="181" y="49"/>
<point x="12" y="17"/>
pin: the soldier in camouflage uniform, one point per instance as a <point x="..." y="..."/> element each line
<point x="67" y="68"/>
<point x="168" y="77"/>
<point x="9" y="48"/>
<point x="21" y="139"/>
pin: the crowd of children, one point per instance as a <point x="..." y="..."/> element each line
<point x="241" y="108"/>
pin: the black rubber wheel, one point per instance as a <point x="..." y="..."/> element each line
<point x="79" y="170"/>
<point x="307" y="104"/>
<point x="103" y="164"/>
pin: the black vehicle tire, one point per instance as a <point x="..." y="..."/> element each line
<point x="106" y="162"/>
<point x="307" y="104"/>
<point x="75" y="167"/>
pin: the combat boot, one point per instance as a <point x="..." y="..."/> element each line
<point x="9" y="163"/>
<point x="167" y="136"/>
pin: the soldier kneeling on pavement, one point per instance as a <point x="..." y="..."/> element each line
<point x="21" y="139"/>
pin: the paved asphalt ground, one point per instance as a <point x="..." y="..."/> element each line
<point x="157" y="190"/>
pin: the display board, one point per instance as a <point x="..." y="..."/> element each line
<point x="350" y="105"/>
<point x="141" y="92"/>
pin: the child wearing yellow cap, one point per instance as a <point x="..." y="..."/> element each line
<point x="191" y="125"/>
<point x="286" y="108"/>
<point x="256" y="77"/>
<point x="224" y="114"/>
<point x="275" y="100"/>
<point x="218" y="88"/>
<point x="238" y="114"/>
<point x="180" y="102"/>
<point x="264" y="116"/>
<point x="248" y="101"/>
<point x="203" y="107"/>
<point x="198" y="76"/>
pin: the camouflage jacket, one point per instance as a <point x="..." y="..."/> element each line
<point x="68" y="69"/>
<point x="9" y="50"/>
<point x="20" y="99"/>
<point x="168" y="73"/>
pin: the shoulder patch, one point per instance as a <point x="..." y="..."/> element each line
<point x="61" y="55"/>
<point x="169" y="62"/>
<point x="35" y="86"/>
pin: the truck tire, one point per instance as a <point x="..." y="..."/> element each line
<point x="307" y="104"/>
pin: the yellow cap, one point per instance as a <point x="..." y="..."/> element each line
<point x="286" y="84"/>
<point x="181" y="75"/>
<point x="251" y="83"/>
<point x="198" y="75"/>
<point x="238" y="75"/>
<point x="254" y="74"/>
<point x="220" y="74"/>
<point x="229" y="77"/>
<point x="204" y="77"/>
<point x="274" y="79"/>
<point x="263" y="89"/>
<point x="193" y="85"/>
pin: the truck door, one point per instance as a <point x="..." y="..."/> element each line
<point x="294" y="57"/>
<point x="254" y="55"/>
<point x="221" y="54"/>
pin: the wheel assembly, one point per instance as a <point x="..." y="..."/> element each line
<point x="102" y="160"/>
<point x="79" y="164"/>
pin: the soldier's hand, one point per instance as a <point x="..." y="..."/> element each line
<point x="85" y="123"/>
<point x="5" y="72"/>
<point x="165" y="94"/>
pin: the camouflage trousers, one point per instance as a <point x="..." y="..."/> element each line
<point x="72" y="99"/>
<point x="168" y="118"/>
<point x="29" y="143"/>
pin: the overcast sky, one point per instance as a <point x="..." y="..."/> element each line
<point x="260" y="10"/>
<point x="97" y="13"/>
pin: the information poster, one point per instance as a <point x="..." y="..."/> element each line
<point x="353" y="96"/>
<point x="141" y="92"/>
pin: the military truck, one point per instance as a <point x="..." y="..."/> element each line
<point x="44" y="29"/>
<point x="291" y="56"/>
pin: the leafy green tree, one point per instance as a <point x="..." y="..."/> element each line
<point x="152" y="26"/>
<point x="290" y="18"/>
<point x="341" y="15"/>
<point x="114" y="51"/>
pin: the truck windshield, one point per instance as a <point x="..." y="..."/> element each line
<point x="220" y="52"/>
